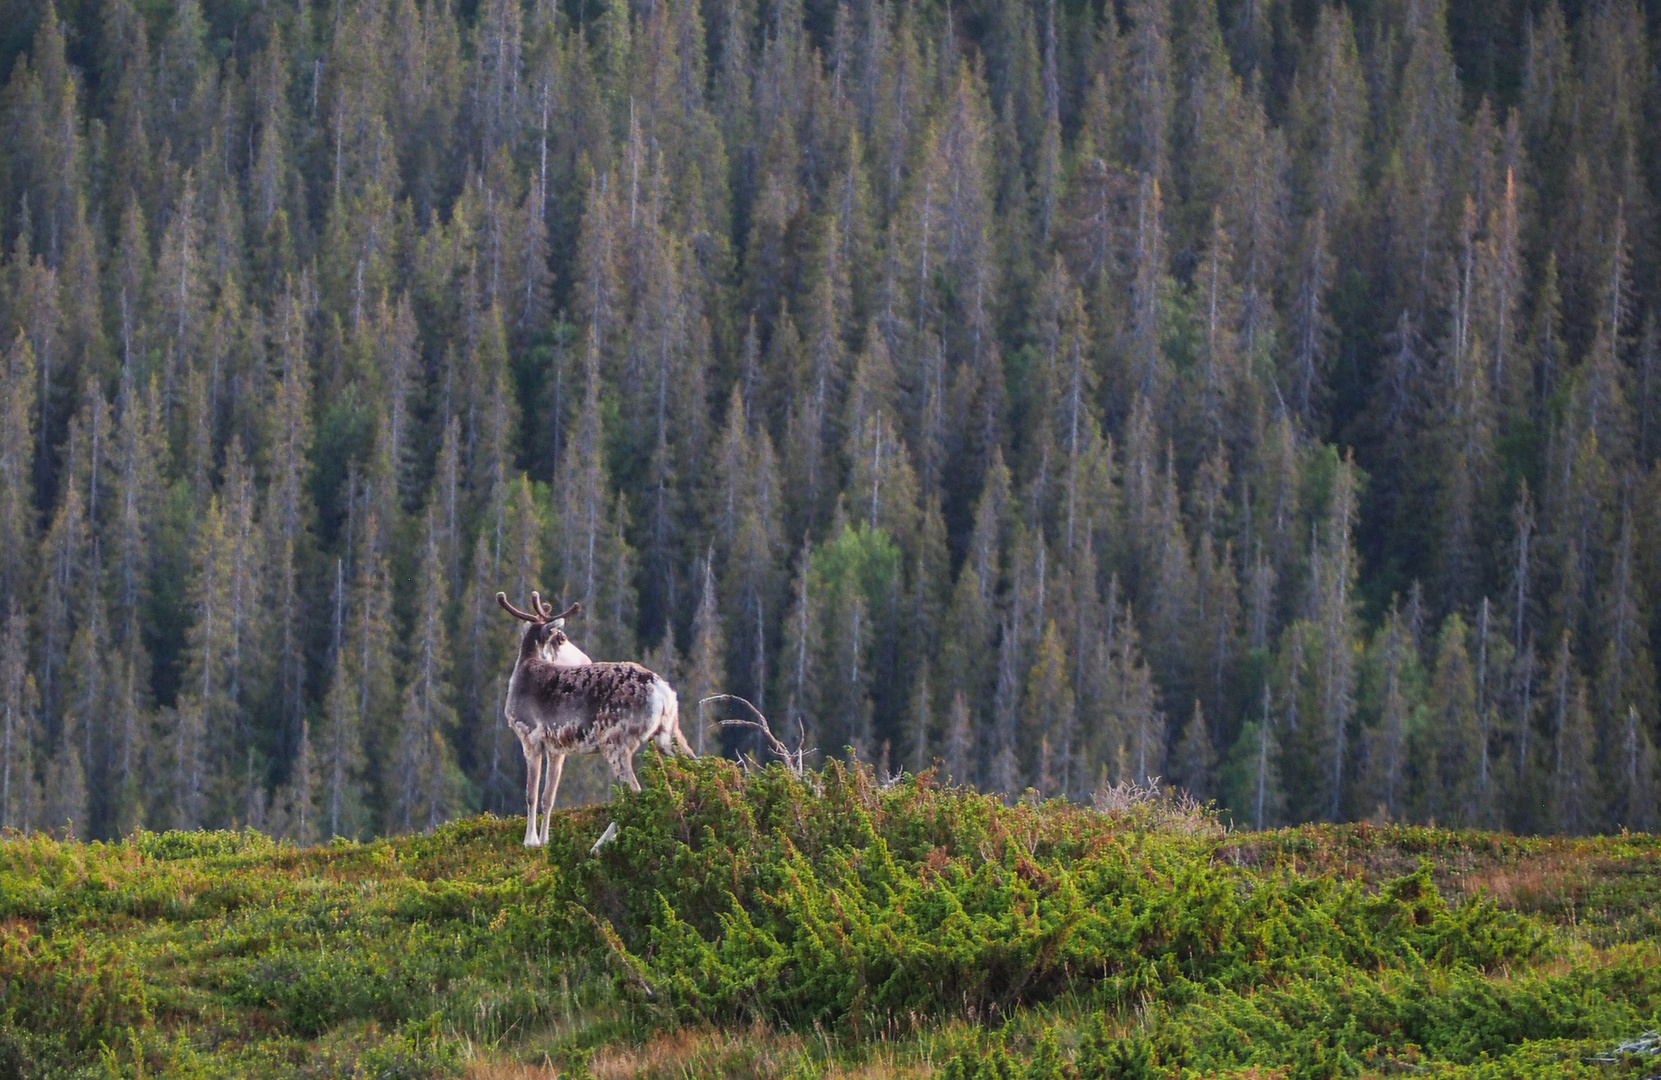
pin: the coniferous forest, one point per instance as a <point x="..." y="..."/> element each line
<point x="1258" y="394"/>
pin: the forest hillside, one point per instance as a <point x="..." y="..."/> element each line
<point x="1255" y="394"/>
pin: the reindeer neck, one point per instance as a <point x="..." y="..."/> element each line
<point x="528" y="649"/>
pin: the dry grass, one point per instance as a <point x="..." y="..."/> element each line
<point x="882" y="1070"/>
<point x="509" y="1070"/>
<point x="695" y="1053"/>
<point x="1160" y="807"/>
<point x="1529" y="883"/>
<point x="671" y="1051"/>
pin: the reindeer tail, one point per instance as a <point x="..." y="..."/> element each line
<point x="669" y="720"/>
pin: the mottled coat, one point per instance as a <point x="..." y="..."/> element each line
<point x="588" y="708"/>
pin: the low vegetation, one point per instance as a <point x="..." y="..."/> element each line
<point x="774" y="925"/>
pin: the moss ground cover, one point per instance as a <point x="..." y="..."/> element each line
<point x="771" y="926"/>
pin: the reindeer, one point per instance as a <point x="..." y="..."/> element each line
<point x="559" y="702"/>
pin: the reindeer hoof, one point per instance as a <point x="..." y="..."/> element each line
<point x="533" y="841"/>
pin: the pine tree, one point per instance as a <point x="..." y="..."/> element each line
<point x="1252" y="771"/>
<point x="1221" y="395"/>
<point x="1571" y="807"/>
<point x="1449" y="751"/>
<point x="1387" y="743"/>
<point x="18" y="430"/>
<point x="340" y="761"/>
<point x="1312" y="326"/>
<point x="373" y="687"/>
<point x="799" y="675"/>
<point x="19" y="730"/>
<point x="1626" y="671"/>
<point x="180" y="289"/>
<point x="428" y="784"/>
<point x="1636" y="787"/>
<point x="287" y="521"/>
<point x="1193" y="759"/>
<point x="1148" y="79"/>
<point x="1131" y="744"/>
<point x="593" y="549"/>
<point x="706" y="662"/>
<point x="1149" y="370"/>
<point x="91" y="706"/>
<point x="1334" y="571"/>
<point x="1050" y="720"/>
<point x="295" y="814"/>
<point x="65" y="551"/>
<point x="340" y="755"/>
<point x="915" y="751"/>
<point x="65" y="808"/>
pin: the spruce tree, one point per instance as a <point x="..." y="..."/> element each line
<point x="706" y="662"/>
<point x="20" y="730"/>
<point x="1450" y="748"/>
<point x="18" y="429"/>
<point x="1572" y="797"/>
<point x="428" y="783"/>
<point x="1049" y="728"/>
<point x="1193" y="759"/>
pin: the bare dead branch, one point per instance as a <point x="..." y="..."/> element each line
<point x="795" y="760"/>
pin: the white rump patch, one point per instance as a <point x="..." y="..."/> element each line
<point x="665" y="715"/>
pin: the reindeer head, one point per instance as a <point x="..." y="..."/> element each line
<point x="544" y="632"/>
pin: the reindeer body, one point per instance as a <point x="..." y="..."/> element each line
<point x="559" y="702"/>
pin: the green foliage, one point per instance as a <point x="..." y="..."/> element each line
<point x="1243" y="324"/>
<point x="825" y="915"/>
<point x="1073" y="943"/>
<point x="861" y="559"/>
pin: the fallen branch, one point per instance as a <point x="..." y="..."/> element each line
<point x="608" y="835"/>
<point x="795" y="760"/>
<point x="608" y="934"/>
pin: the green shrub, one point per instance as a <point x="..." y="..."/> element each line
<point x="830" y="904"/>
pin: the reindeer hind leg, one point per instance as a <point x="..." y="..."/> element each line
<point x="621" y="760"/>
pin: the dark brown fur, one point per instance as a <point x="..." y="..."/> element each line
<point x="596" y="699"/>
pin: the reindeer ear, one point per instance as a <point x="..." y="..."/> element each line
<point x="559" y="624"/>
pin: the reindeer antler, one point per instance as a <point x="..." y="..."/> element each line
<point x="502" y="598"/>
<point x="547" y="610"/>
<point x="544" y="611"/>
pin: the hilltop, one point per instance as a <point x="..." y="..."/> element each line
<point x="771" y="925"/>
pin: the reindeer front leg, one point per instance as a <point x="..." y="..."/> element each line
<point x="532" y="747"/>
<point x="550" y="788"/>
